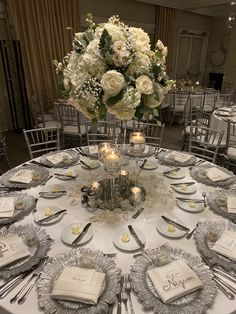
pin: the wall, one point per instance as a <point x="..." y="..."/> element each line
<point x="131" y="12"/>
<point x="230" y="65"/>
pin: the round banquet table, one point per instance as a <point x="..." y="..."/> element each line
<point x="219" y="123"/>
<point x="160" y="201"/>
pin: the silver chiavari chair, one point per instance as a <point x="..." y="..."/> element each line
<point x="41" y="141"/>
<point x="179" y="100"/>
<point x="231" y="145"/>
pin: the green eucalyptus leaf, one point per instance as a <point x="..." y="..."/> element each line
<point x="114" y="99"/>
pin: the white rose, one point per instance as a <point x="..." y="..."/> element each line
<point x="144" y="85"/>
<point x="160" y="45"/>
<point x="139" y="65"/>
<point x="112" y="82"/>
<point x="66" y="84"/>
<point x="153" y="103"/>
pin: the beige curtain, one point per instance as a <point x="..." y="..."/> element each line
<point x="165" y="31"/>
<point x="40" y="25"/>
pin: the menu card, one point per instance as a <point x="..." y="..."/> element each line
<point x="7" y="206"/>
<point x="231" y="204"/>
<point x="58" y="158"/>
<point x="215" y="174"/>
<point x="78" y="284"/>
<point x="179" y="157"/>
<point x="226" y="245"/>
<point x="12" y="248"/>
<point x="174" y="280"/>
<point x="22" y="176"/>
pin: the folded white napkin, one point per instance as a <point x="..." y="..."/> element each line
<point x="174" y="280"/>
<point x="215" y="174"/>
<point x="68" y="172"/>
<point x="93" y="150"/>
<point x="58" y="158"/>
<point x="78" y="284"/>
<point x="7" y="206"/>
<point x="226" y="245"/>
<point x="12" y="248"/>
<point x="179" y="157"/>
<point x="231" y="204"/>
<point x="22" y="176"/>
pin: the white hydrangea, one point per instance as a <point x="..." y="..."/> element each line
<point x="115" y="32"/>
<point x="139" y="65"/>
<point x="139" y="39"/>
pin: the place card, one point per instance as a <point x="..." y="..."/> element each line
<point x="7" y="206"/>
<point x="22" y="176"/>
<point x="215" y="174"/>
<point x="58" y="158"/>
<point x="174" y="280"/>
<point x="231" y="204"/>
<point x="78" y="284"/>
<point x="12" y="248"/>
<point x="226" y="245"/>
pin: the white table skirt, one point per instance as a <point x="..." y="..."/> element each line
<point x="161" y="201"/>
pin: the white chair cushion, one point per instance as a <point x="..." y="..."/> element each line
<point x="50" y="124"/>
<point x="231" y="153"/>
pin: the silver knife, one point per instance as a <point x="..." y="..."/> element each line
<point x="169" y="171"/>
<point x="138" y="212"/>
<point x="64" y="175"/>
<point x="52" y="216"/>
<point x="82" y="233"/>
<point x="174" y="223"/>
<point x="183" y="183"/>
<point x="194" y="200"/>
<point x="143" y="163"/>
<point x="85" y="164"/>
<point x="135" y="236"/>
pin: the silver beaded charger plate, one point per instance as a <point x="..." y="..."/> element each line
<point x="196" y="302"/>
<point x="217" y="202"/>
<point x="41" y="172"/>
<point x="27" y="201"/>
<point x="163" y="158"/>
<point x="82" y="258"/>
<point x="149" y="151"/>
<point x="204" y="245"/>
<point x="38" y="243"/>
<point x="74" y="157"/>
<point x="199" y="173"/>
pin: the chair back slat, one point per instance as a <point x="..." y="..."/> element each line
<point x="41" y="141"/>
<point x="153" y="132"/>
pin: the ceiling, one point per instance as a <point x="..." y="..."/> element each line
<point x="215" y="8"/>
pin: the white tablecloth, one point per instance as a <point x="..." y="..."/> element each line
<point x="160" y="200"/>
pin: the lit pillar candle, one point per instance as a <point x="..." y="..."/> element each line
<point x="124" y="175"/>
<point x="102" y="147"/>
<point x="112" y="160"/>
<point x="137" y="142"/>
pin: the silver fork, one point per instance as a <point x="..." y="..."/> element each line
<point x="124" y="296"/>
<point x="128" y="291"/>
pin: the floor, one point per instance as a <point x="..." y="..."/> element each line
<point x="18" y="153"/>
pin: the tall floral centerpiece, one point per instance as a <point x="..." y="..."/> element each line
<point x="112" y="69"/>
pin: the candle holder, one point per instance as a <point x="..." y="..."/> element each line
<point x="137" y="147"/>
<point x="135" y="196"/>
<point x="102" y="147"/>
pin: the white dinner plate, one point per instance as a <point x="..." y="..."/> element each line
<point x="71" y="232"/>
<point x="190" y="206"/>
<point x="168" y="230"/>
<point x="69" y="174"/>
<point x="92" y="163"/>
<point x="150" y="165"/>
<point x="185" y="189"/>
<point x="130" y="245"/>
<point x="51" y="190"/>
<point x="180" y="174"/>
<point x="43" y="213"/>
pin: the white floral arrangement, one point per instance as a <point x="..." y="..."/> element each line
<point x="112" y="69"/>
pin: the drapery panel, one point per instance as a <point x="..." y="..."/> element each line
<point x="40" y="25"/>
<point x="165" y="31"/>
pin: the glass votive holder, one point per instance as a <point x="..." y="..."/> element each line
<point x="137" y="142"/>
<point x="214" y="233"/>
<point x="135" y="196"/>
<point x="102" y="147"/>
<point x="124" y="177"/>
<point x="96" y="187"/>
<point x="112" y="160"/>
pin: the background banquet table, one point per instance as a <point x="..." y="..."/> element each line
<point x="160" y="200"/>
<point x="219" y="123"/>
